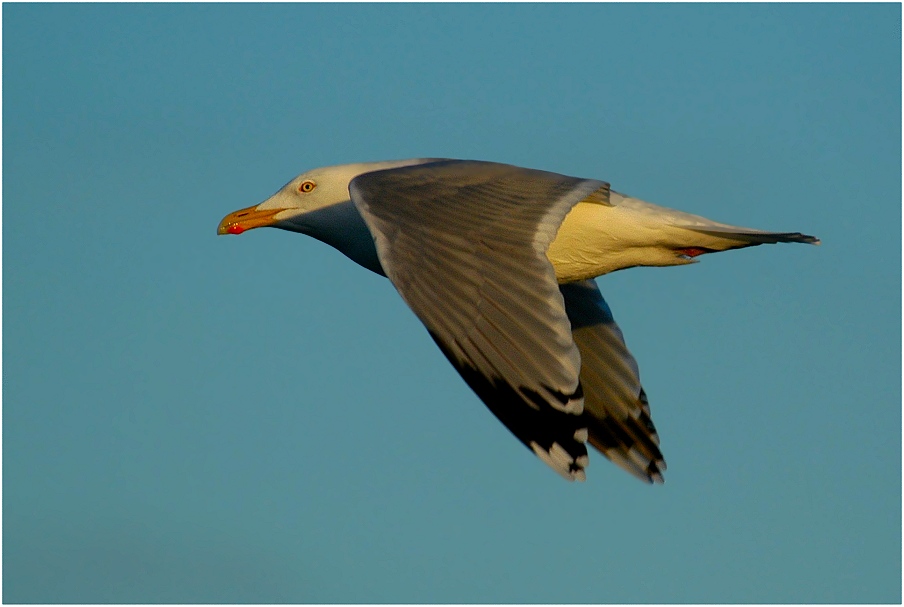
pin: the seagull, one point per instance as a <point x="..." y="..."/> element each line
<point x="498" y="262"/>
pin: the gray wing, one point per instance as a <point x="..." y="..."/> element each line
<point x="465" y="243"/>
<point x="616" y="411"/>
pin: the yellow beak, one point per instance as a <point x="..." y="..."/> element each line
<point x="247" y="219"/>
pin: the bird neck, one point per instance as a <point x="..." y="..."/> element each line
<point x="342" y="227"/>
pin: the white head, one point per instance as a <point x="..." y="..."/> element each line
<point x="311" y="191"/>
<point x="317" y="203"/>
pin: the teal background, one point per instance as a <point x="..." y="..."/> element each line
<point x="189" y="418"/>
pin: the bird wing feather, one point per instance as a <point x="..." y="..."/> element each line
<point x="616" y="410"/>
<point x="464" y="243"/>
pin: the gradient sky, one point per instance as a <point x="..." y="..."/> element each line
<point x="195" y="418"/>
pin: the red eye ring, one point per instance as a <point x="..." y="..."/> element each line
<point x="307" y="186"/>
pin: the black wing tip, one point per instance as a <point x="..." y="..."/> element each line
<point x="631" y="443"/>
<point x="556" y="436"/>
<point x="654" y="472"/>
<point x="797" y="237"/>
<point x="801" y="238"/>
<point x="758" y="238"/>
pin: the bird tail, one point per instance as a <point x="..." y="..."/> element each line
<point x="701" y="235"/>
<point x="751" y="237"/>
<point x="692" y="241"/>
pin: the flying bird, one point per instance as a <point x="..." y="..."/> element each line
<point x="498" y="263"/>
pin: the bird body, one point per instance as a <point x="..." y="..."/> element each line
<point x="497" y="263"/>
<point x="596" y="239"/>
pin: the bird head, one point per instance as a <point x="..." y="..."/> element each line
<point x="308" y="192"/>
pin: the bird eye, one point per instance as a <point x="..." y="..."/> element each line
<point x="306" y="186"/>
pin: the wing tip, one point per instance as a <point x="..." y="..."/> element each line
<point x="803" y="238"/>
<point x="559" y="459"/>
<point x="749" y="237"/>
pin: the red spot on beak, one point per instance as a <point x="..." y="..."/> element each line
<point x="235" y="229"/>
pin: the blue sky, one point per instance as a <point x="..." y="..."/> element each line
<point x="199" y="419"/>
